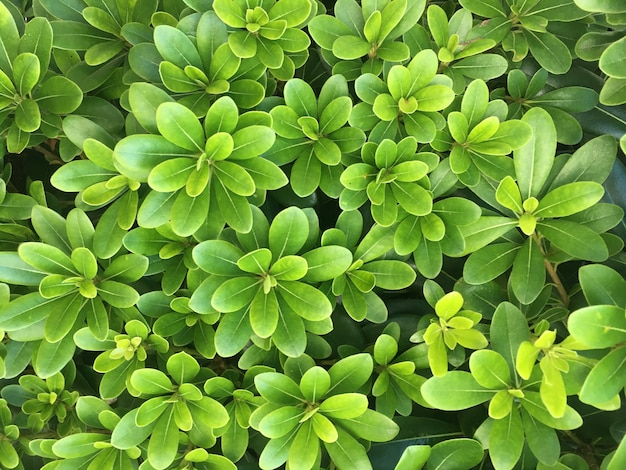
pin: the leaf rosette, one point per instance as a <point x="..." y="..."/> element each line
<point x="202" y="173"/>
<point x="263" y="291"/>
<point x="312" y="133"/>
<point x="322" y="409"/>
<point x="407" y="102"/>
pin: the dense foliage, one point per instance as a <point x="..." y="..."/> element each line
<point x="291" y="234"/>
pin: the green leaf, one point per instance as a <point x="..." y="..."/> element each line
<point x="163" y="443"/>
<point x="218" y="257"/>
<point x="344" y="406"/>
<point x="350" y="47"/>
<point x="385" y="349"/>
<point x="605" y="380"/>
<point x="266" y="175"/>
<point x="598" y="326"/>
<point x="294" y="12"/>
<point x="612" y="61"/>
<point x="101" y="20"/>
<point x="78" y="445"/>
<point x="256" y="262"/>
<point x="529" y="273"/>
<point x="584" y="165"/>
<point x="534" y="160"/>
<point x="151" y="410"/>
<point x="127" y="434"/>
<point x="50" y="357"/>
<point x="278" y="388"/>
<point x="413" y="457"/>
<point x="412" y="197"/>
<point x="574" y="239"/>
<point x="79" y="175"/>
<point x="251" y="141"/>
<point x="171" y="175"/>
<point x="350" y="373"/>
<point x="572" y="99"/>
<point x="305" y="300"/>
<point x="289" y="268"/>
<point x="235" y="294"/>
<point x="506" y="440"/>
<point x="176" y="47"/>
<point x="175" y="79"/>
<point x="541" y="439"/>
<point x="264" y="313"/>
<point x="46" y="258"/>
<point x="232" y="334"/>
<point x="77" y="35"/>
<point x="137" y="155"/>
<point x="290" y="335"/>
<point x="219" y="146"/>
<point x="391" y="274"/>
<point x="126" y="268"/>
<point x="235" y="178"/>
<point x="508" y="194"/>
<point x="235" y="209"/>
<point x="18" y="272"/>
<point x="10" y="39"/>
<point x="63" y="320"/>
<point x="456" y="390"/>
<point x="299" y="97"/>
<point x="486" y="8"/>
<point x="602" y="285"/>
<point x="85" y="262"/>
<point x="533" y="404"/>
<point x="182" y="367"/>
<point x="371" y="425"/>
<point x="314" y="384"/>
<point x="409" y="171"/>
<point x="326" y="263"/>
<point x="569" y="199"/>
<point x="484" y="231"/>
<point x="346" y="452"/>
<point x="288" y="232"/>
<point x="509" y="328"/>
<point x="180" y="126"/>
<point x="618" y="458"/>
<point x="605" y="6"/>
<point x="151" y="382"/>
<point x="551" y="53"/>
<point x="449" y="305"/>
<point x="428" y="258"/>
<point x="324" y="428"/>
<point x="281" y="422"/>
<point x="27" y="116"/>
<point x="434" y="98"/>
<point x="482" y="66"/>
<point x="490" y="369"/>
<point x="335" y="114"/>
<point x="117" y="294"/>
<point x="489" y="262"/>
<point x="453" y="454"/>
<point x="26" y="72"/>
<point x="438" y="25"/>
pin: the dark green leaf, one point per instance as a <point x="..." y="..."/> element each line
<point x="598" y="326"/>
<point x="506" y="440"/>
<point x="452" y="454"/>
<point x="529" y="272"/>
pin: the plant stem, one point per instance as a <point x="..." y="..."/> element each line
<point x="586" y="450"/>
<point x="50" y="156"/>
<point x="557" y="282"/>
<point x="552" y="272"/>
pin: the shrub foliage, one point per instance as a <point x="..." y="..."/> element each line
<point x="291" y="234"/>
